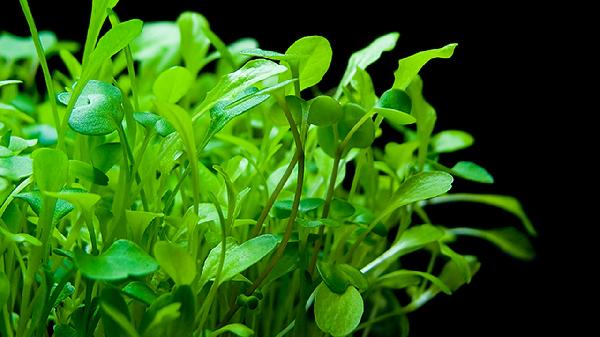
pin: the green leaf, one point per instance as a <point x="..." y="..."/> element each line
<point x="450" y="141"/>
<point x="338" y="277"/>
<point x="138" y="221"/>
<point x="471" y="171"/>
<point x="82" y="200"/>
<point x="509" y="239"/>
<point x="19" y="238"/>
<point x="157" y="47"/>
<point x="338" y="314"/>
<point x="117" y="38"/>
<point x="9" y="82"/>
<point x="267" y="54"/>
<point x="324" y="110"/>
<point x="4" y="289"/>
<point x="367" y="56"/>
<point x="114" y="312"/>
<point x="509" y="204"/>
<point x="181" y="121"/>
<point x="72" y="64"/>
<point x="16" y="47"/>
<point x="411" y="240"/>
<point x="98" y="110"/>
<point x="172" y="84"/>
<point x="159" y="316"/>
<point x="409" y="67"/>
<point x="176" y="262"/>
<point x="233" y="85"/>
<point x="237" y="258"/>
<point x="341" y="209"/>
<point x="194" y="42"/>
<point x="16" y="168"/>
<point x="183" y="326"/>
<point x="395" y="105"/>
<point x="154" y="122"/>
<point x="460" y="261"/>
<point x="121" y="260"/>
<point x="399" y="279"/>
<point x="310" y="204"/>
<point x="34" y="199"/>
<point x="85" y="171"/>
<point x="224" y="112"/>
<point x="425" y="115"/>
<point x="453" y="276"/>
<point x="104" y="156"/>
<point x="311" y="56"/>
<point x="64" y="330"/>
<point x="237" y="329"/>
<point x="50" y="180"/>
<point x="365" y="135"/>
<point x="420" y="186"/>
<point x="44" y="133"/>
<point x="139" y="291"/>
<point x="18" y="144"/>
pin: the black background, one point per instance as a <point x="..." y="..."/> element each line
<point x="504" y="85"/>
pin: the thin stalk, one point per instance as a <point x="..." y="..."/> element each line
<point x="42" y="58"/>
<point x="203" y="313"/>
<point x="334" y="172"/>
<point x="291" y="220"/>
<point x="265" y="212"/>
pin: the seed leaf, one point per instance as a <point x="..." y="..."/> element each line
<point x="121" y="260"/>
<point x="312" y="56"/>
<point x="98" y="109"/>
<point x="338" y="314"/>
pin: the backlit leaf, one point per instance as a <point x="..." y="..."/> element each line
<point x="338" y="314"/>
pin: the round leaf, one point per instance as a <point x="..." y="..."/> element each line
<point x="121" y="260"/>
<point x="338" y="314"/>
<point x="98" y="109"/>
<point x="365" y="134"/>
<point x="312" y="56"/>
<point x="324" y="110"/>
<point x="172" y="84"/>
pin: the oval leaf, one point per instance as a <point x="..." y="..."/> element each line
<point x="237" y="258"/>
<point x="172" y="84"/>
<point x="324" y="110"/>
<point x="121" y="260"/>
<point x="450" y="141"/>
<point x="312" y="56"/>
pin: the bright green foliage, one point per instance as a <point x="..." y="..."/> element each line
<point x="121" y="260"/>
<point x="98" y="109"/>
<point x="338" y="314"/>
<point x="194" y="187"/>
